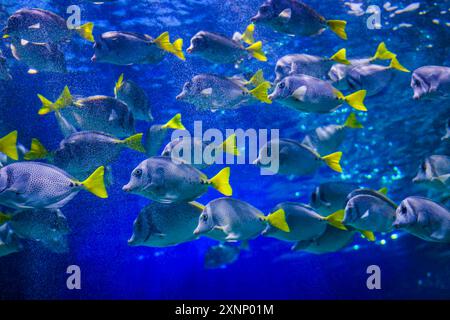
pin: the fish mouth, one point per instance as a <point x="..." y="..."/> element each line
<point x="128" y="189"/>
<point x="271" y="97"/>
<point x="94" y="58"/>
<point x="196" y="232"/>
<point x="190" y="49"/>
<point x="180" y="96"/>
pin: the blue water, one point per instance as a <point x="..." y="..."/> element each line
<point x="399" y="132"/>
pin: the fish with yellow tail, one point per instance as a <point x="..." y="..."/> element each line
<point x="157" y="133"/>
<point x="294" y="158"/>
<point x="163" y="180"/>
<point x="33" y="185"/>
<point x="301" y="222"/>
<point x="228" y="219"/>
<point x="217" y="48"/>
<point x="294" y="17"/>
<point x="128" y="48"/>
<point x="8" y="145"/>
<point x="213" y="92"/>
<point x="312" y="95"/>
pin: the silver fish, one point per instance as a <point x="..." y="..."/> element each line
<point x="163" y="180"/>
<point x="431" y="82"/>
<point x="308" y="94"/>
<point x="33" y="185"/>
<point x="424" y="218"/>
<point x="163" y="225"/>
<point x="434" y="173"/>
<point x="330" y="197"/>
<point x="332" y="240"/>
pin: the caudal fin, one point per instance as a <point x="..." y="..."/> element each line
<point x="221" y="182"/>
<point x="95" y="183"/>
<point x="338" y="27"/>
<point x="369" y="235"/>
<point x="230" y="145"/>
<point x="397" y="66"/>
<point x="135" y="142"/>
<point x="383" y="53"/>
<point x="163" y="42"/>
<point x="8" y="145"/>
<point x="278" y="220"/>
<point x="174" y="123"/>
<point x="119" y="84"/>
<point x="335" y="219"/>
<point x="64" y="100"/>
<point x="256" y="51"/>
<point x="340" y="56"/>
<point x="178" y="49"/>
<point x="352" y="122"/>
<point x="356" y="100"/>
<point x="261" y="92"/>
<point x="257" y="78"/>
<point x="85" y="31"/>
<point x="247" y="37"/>
<point x="333" y="161"/>
<point x="4" y="218"/>
<point x="37" y="151"/>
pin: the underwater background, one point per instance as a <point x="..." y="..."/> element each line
<point x="399" y="133"/>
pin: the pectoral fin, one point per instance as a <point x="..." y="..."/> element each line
<point x="300" y="93"/>
<point x="285" y="15"/>
<point x="35" y="26"/>
<point x="113" y="116"/>
<point x="207" y="92"/>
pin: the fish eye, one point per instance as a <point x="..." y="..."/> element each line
<point x="423" y="166"/>
<point x="404" y="210"/>
<point x="137" y="173"/>
<point x="204" y="217"/>
<point x="282" y="85"/>
<point x="188" y="85"/>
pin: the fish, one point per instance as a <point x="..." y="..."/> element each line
<point x="369" y="210"/>
<point x="220" y="49"/>
<point x="184" y="149"/>
<point x="9" y="241"/>
<point x="434" y="173"/>
<point x="221" y="255"/>
<point x="213" y="92"/>
<point x="228" y="219"/>
<point x="431" y="82"/>
<point x="307" y="64"/>
<point x="95" y="113"/>
<point x="332" y="240"/>
<point x="312" y="95"/>
<point x="42" y="26"/>
<point x="83" y="152"/>
<point x="134" y="97"/>
<point x="304" y="223"/>
<point x="297" y="159"/>
<point x="163" y="180"/>
<point x="128" y="48"/>
<point x="294" y="17"/>
<point x="329" y="197"/>
<point x="373" y="78"/>
<point x="8" y="145"/>
<point x="46" y="226"/>
<point x="338" y="72"/>
<point x="4" y="72"/>
<point x="164" y="225"/>
<point x="35" y="185"/>
<point x="327" y="139"/>
<point x="424" y="219"/>
<point x="39" y="57"/>
<point x="157" y="133"/>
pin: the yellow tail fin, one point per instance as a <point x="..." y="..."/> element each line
<point x="352" y="122"/>
<point x="174" y="123"/>
<point x="383" y="53"/>
<point x="256" y="51"/>
<point x="37" y="151"/>
<point x="8" y="145"/>
<point x="119" y="84"/>
<point x="261" y="92"/>
<point x="338" y="27"/>
<point x="333" y="161"/>
<point x="85" y="31"/>
<point x="64" y="100"/>
<point x="135" y="142"/>
<point x="340" y="57"/>
<point x="356" y="100"/>
<point x="396" y="65"/>
<point x="247" y="37"/>
<point x="221" y="182"/>
<point x="257" y="78"/>
<point x="335" y="219"/>
<point x="95" y="184"/>
<point x="178" y="49"/>
<point x="278" y="220"/>
<point x="383" y="190"/>
<point x="368" y="235"/>
<point x="230" y="145"/>
<point x="4" y="218"/>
